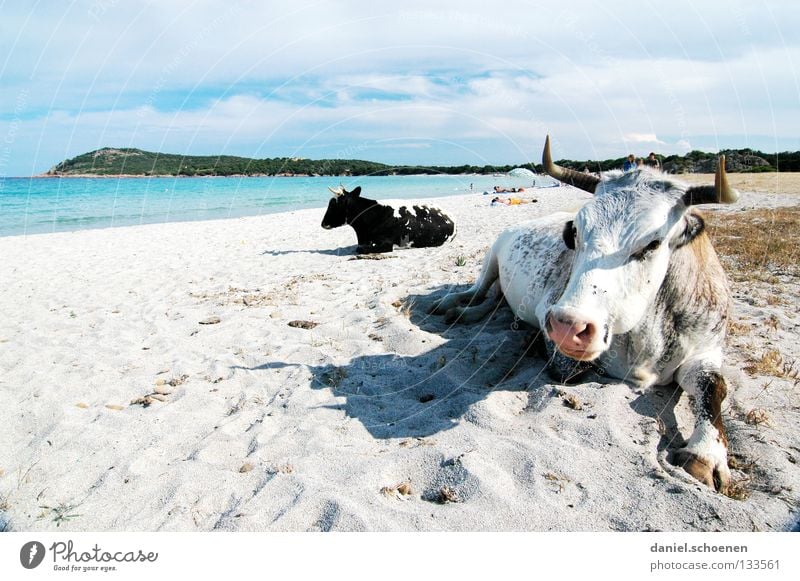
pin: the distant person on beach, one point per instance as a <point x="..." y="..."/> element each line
<point x="508" y="201"/>
<point x="630" y="163"/>
<point x="499" y="190"/>
<point x="639" y="163"/>
<point x="652" y="161"/>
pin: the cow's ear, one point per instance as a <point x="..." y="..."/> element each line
<point x="693" y="226"/>
<point x="356" y="192"/>
<point x="569" y="235"/>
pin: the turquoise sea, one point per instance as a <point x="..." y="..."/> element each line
<point x="39" y="205"/>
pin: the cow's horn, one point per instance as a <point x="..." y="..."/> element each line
<point x="338" y="191"/>
<point x="720" y="193"/>
<point x="586" y="182"/>
<point x="725" y="193"/>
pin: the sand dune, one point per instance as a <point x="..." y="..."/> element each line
<point x="253" y="423"/>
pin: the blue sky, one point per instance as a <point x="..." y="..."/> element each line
<point x="422" y="83"/>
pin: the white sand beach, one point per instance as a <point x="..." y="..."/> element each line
<point x="247" y="423"/>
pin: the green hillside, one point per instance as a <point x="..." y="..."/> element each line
<point x="736" y="160"/>
<point x="127" y="161"/>
<point x="110" y="161"/>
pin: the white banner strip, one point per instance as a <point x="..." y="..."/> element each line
<point x="400" y="556"/>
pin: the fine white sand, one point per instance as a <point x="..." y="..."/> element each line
<point x="275" y="427"/>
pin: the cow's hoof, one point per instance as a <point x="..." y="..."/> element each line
<point x="712" y="473"/>
<point x="445" y="305"/>
<point x="453" y="315"/>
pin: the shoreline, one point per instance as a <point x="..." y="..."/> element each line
<point x="121" y="227"/>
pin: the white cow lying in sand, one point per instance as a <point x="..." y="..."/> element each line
<point x="630" y="287"/>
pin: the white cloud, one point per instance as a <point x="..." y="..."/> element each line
<point x="643" y="138"/>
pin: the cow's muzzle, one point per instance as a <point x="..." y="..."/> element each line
<point x="576" y="335"/>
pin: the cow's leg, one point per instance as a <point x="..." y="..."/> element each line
<point x="706" y="453"/>
<point x="474" y="313"/>
<point x="473" y="295"/>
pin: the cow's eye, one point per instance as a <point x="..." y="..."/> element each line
<point x="644" y="252"/>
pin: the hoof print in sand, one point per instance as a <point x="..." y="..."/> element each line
<point x="144" y="401"/>
<point x="303" y="324"/>
<point x="400" y="491"/>
<point x="160" y="394"/>
<point x="570" y="400"/>
<point x="446" y="495"/>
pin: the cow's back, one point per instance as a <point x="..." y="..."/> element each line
<point x="423" y="226"/>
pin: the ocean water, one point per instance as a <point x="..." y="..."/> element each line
<point x="35" y="206"/>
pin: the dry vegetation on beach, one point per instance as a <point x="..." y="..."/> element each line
<point x="762" y="259"/>
<point x="759" y="245"/>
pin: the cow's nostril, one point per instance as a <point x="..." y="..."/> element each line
<point x="584" y="331"/>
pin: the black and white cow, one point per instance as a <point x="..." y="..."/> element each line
<point x="380" y="228"/>
<point x="630" y="287"/>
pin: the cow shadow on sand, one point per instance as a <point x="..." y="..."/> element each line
<point x="343" y="251"/>
<point x="415" y="396"/>
<point x="403" y="396"/>
<point x="659" y="403"/>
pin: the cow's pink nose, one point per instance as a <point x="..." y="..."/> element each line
<point x="570" y="334"/>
